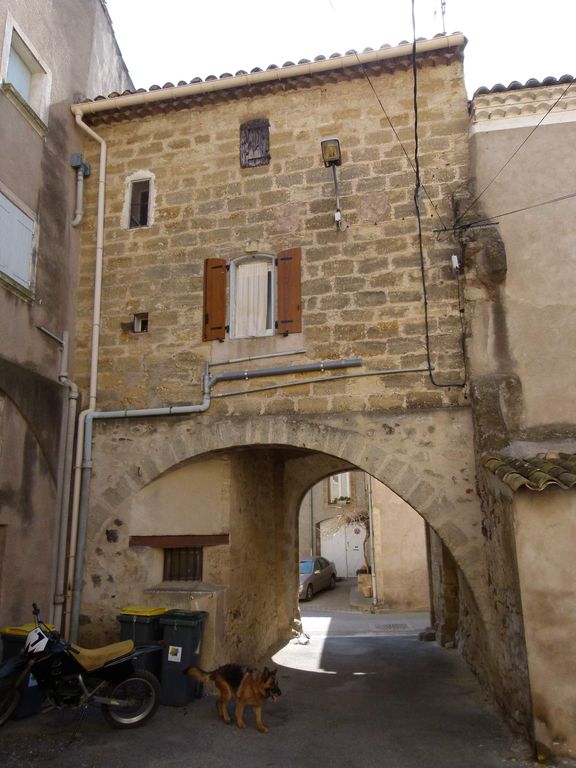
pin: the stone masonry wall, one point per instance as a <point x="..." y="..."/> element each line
<point x="361" y="286"/>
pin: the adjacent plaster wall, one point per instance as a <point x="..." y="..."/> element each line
<point x="524" y="333"/>
<point x="35" y="174"/>
<point x="545" y="527"/>
<point x="400" y="557"/>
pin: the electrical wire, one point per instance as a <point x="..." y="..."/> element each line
<point x="513" y="155"/>
<point x="491" y="219"/>
<point x="417" y="188"/>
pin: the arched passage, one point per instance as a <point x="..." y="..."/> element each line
<point x="426" y="458"/>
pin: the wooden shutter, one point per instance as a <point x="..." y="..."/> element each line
<point x="214" y="325"/>
<point x="16" y="236"/>
<point x="288" y="276"/>
<point x="254" y="143"/>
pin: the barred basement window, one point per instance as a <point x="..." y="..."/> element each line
<point x="254" y="143"/>
<point x="183" y="564"/>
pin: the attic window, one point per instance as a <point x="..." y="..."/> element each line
<point x="139" y="203"/>
<point x="254" y="143"/>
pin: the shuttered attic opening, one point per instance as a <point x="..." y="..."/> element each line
<point x="254" y="143"/>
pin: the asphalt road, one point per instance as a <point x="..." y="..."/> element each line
<point x="362" y="692"/>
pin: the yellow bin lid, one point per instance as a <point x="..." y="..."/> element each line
<point x="142" y="610"/>
<point x="23" y="630"/>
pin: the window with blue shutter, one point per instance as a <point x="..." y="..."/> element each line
<point x="16" y="239"/>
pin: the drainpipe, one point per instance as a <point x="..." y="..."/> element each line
<point x="258" y="373"/>
<point x="59" y="591"/>
<point x="82" y="170"/>
<point x="86" y="474"/>
<point x="305" y="69"/>
<point x="372" y="542"/>
<point x="65" y="450"/>
<point x="94" y="348"/>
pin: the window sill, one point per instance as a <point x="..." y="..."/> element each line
<point x="24" y="108"/>
<point x="26" y="294"/>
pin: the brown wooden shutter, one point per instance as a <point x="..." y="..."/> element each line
<point x="288" y="276"/>
<point x="214" y="325"/>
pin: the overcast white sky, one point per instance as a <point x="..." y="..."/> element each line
<point x="171" y="40"/>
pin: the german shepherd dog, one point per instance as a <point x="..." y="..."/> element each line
<point x="251" y="688"/>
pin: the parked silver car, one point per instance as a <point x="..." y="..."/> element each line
<point x="316" y="574"/>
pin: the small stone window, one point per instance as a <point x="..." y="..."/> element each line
<point x="139" y="203"/>
<point x="139" y="198"/>
<point x="140" y="322"/>
<point x="254" y="143"/>
<point x="183" y="564"/>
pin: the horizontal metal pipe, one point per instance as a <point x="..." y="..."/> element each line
<point x="256" y="357"/>
<point x="319" y="379"/>
<point x="259" y="373"/>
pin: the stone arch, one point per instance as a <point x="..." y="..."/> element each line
<point x="426" y="458"/>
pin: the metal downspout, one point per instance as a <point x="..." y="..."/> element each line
<point x="372" y="541"/>
<point x="94" y="348"/>
<point x="79" y="211"/>
<point x="86" y="474"/>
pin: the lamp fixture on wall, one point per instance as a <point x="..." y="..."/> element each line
<point x="332" y="157"/>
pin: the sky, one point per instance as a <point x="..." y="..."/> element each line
<point x="172" y="40"/>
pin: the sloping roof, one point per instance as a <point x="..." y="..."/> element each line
<point x="545" y="469"/>
<point x="515" y="85"/>
<point x="450" y="45"/>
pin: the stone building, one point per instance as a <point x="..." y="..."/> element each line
<point x="520" y="276"/>
<point x="50" y="55"/>
<point x="253" y="319"/>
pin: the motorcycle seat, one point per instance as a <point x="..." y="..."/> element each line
<point x="92" y="658"/>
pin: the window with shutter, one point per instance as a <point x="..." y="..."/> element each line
<point x="16" y="242"/>
<point x="289" y="313"/>
<point x="264" y="296"/>
<point x="254" y="143"/>
<point x="214" y="326"/>
<point x="252" y="296"/>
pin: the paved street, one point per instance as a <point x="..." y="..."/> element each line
<point x="362" y="692"/>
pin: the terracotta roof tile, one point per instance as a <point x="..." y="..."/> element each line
<point x="537" y="473"/>
<point x="286" y="65"/>
<point x="516" y="86"/>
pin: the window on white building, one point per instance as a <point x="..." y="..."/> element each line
<point x="339" y="487"/>
<point x="25" y="77"/>
<point x="16" y="243"/>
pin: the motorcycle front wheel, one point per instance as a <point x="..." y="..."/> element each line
<point x="138" y="698"/>
<point x="9" y="697"/>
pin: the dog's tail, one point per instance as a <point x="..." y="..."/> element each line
<point x="197" y="674"/>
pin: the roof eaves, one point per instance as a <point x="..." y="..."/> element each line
<point x="453" y="42"/>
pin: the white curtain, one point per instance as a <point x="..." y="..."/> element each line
<point x="251" y="300"/>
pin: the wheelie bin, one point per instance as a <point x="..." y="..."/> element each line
<point x="182" y="635"/>
<point x="13" y="641"/>
<point x="142" y="625"/>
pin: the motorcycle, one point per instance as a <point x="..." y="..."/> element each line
<point x="71" y="676"/>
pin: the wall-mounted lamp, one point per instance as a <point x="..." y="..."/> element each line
<point x="332" y="157"/>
